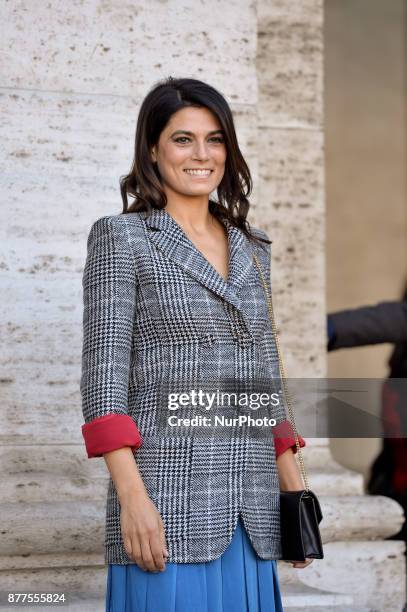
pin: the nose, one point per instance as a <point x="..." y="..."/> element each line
<point x="200" y="150"/>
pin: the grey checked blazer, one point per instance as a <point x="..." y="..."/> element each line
<point x="155" y="308"/>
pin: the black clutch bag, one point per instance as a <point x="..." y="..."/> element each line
<point x="300" y="512"/>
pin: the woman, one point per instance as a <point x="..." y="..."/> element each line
<point x="171" y="297"/>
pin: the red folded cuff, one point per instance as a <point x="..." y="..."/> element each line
<point x="284" y="438"/>
<point x="110" y="432"/>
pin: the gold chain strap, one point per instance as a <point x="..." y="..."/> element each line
<point x="286" y="393"/>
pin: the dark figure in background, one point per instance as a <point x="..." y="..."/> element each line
<point x="384" y="322"/>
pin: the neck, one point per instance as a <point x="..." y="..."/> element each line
<point x="193" y="215"/>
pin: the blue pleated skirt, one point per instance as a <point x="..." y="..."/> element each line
<point x="239" y="580"/>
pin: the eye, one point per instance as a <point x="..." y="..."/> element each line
<point x="184" y="139"/>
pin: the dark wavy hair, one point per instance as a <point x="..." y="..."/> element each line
<point x="143" y="182"/>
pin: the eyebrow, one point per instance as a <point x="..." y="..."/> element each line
<point x="191" y="133"/>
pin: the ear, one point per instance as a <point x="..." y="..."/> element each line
<point x="153" y="158"/>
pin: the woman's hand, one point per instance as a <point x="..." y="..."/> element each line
<point x="141" y="523"/>
<point x="290" y="480"/>
<point x="143" y="531"/>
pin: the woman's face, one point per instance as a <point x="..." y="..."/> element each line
<point x="192" y="140"/>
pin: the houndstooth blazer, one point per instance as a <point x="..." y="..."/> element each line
<point x="156" y="310"/>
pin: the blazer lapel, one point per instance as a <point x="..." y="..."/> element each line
<point x="172" y="240"/>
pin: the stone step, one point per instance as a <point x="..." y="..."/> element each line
<point x="59" y="460"/>
<point x="294" y="597"/>
<point x="359" y="517"/>
<point x="98" y="605"/>
<point x="328" y="477"/>
<point x="336" y="608"/>
<point x="302" y="597"/>
<point x="72" y="460"/>
<point x="373" y="572"/>
<point x="73" y="581"/>
<point x="55" y="560"/>
<point x="335" y="480"/>
<point x="79" y="527"/>
<point x="37" y="487"/>
<point x="64" y="473"/>
<point x="29" y="487"/>
<point x="318" y="456"/>
<point x="87" y="605"/>
<point x="79" y="605"/>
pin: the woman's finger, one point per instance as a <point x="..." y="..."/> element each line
<point x="127" y="546"/>
<point x="157" y="551"/>
<point x="137" y="556"/>
<point x="163" y="539"/>
<point x="148" y="559"/>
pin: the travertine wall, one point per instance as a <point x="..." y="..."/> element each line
<point x="73" y="78"/>
<point x="291" y="175"/>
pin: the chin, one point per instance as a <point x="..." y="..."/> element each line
<point x="198" y="190"/>
<point x="197" y="193"/>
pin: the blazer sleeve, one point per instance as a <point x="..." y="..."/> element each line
<point x="284" y="437"/>
<point x="109" y="299"/>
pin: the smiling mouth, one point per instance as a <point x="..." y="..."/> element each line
<point x="200" y="173"/>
